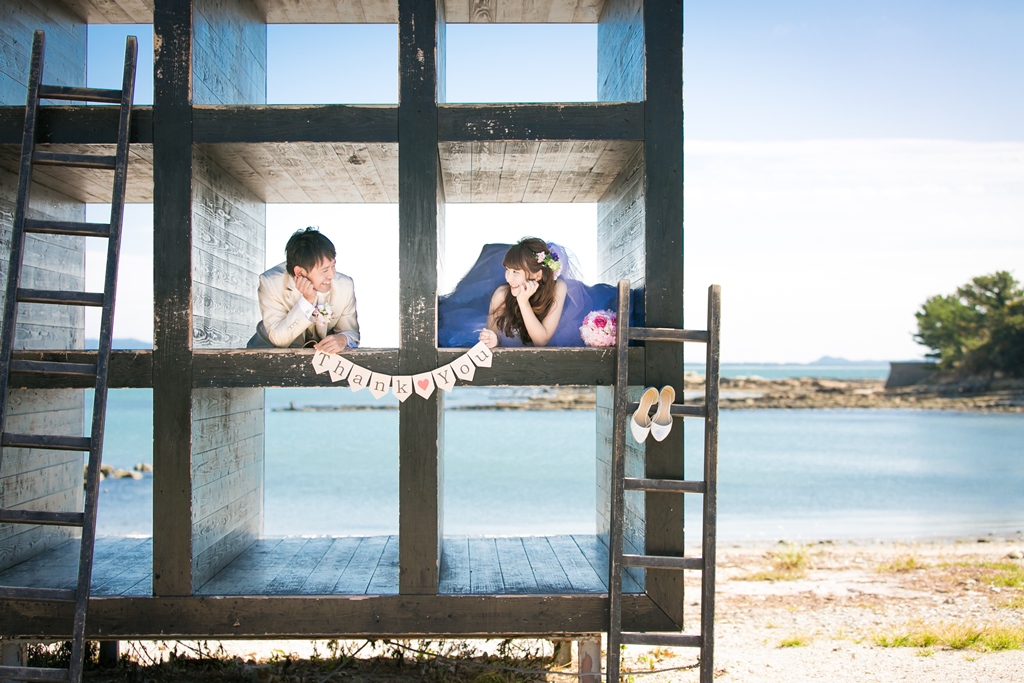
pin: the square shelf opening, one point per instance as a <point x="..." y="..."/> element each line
<point x="331" y="463"/>
<point x="520" y="63"/>
<point x="515" y="463"/>
<point x="366" y="240"/>
<point x="105" y="65"/>
<point x="360" y="59"/>
<point x="133" y="311"/>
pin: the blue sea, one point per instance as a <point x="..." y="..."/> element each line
<point x="783" y="474"/>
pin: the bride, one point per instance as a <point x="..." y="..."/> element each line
<point x="520" y="294"/>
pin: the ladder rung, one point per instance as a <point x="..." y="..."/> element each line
<point x="41" y="517"/>
<point x="63" y="92"/>
<point x="48" y="441"/>
<point x="76" y="160"/>
<point x="48" y="594"/>
<point x="32" y="673"/>
<point x="662" y="562"/>
<point x="54" y="368"/>
<point x="667" y="334"/>
<point x="678" y="410"/>
<point x="46" y="227"/>
<point x="662" y="639"/>
<point x="53" y="296"/>
<point x="666" y="485"/>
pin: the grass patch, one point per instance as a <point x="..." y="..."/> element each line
<point x="1002" y="573"/>
<point x="955" y="636"/>
<point x="788" y="564"/>
<point x="902" y="564"/>
<point x="795" y="640"/>
<point x="1016" y="602"/>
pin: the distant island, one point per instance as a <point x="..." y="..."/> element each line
<point x="829" y="361"/>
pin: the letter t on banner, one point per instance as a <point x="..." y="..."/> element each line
<point x="321" y="362"/>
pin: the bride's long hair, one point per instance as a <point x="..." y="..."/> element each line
<point x="523" y="256"/>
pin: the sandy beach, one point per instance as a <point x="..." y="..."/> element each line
<point x="848" y="612"/>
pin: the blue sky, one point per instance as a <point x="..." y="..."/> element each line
<point x="843" y="160"/>
<point x="798" y="70"/>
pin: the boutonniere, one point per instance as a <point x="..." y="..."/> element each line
<point x="321" y="313"/>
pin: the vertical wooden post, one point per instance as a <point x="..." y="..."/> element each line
<point x="663" y="156"/>
<point x="194" y="303"/>
<point x="589" y="657"/>
<point x="420" y="229"/>
<point x="228" y="255"/>
<point x="621" y="253"/>
<point x="42" y="480"/>
<point x="13" y="653"/>
<point x="172" y="298"/>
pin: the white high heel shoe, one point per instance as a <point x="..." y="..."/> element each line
<point x="640" y="423"/>
<point x="661" y="425"/>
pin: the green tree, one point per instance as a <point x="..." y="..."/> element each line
<point x="978" y="329"/>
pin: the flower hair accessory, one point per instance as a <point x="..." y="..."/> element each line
<point x="549" y="259"/>
<point x="599" y="328"/>
<point x="321" y="313"/>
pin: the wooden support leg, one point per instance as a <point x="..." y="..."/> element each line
<point x="13" y="653"/>
<point x="563" y="651"/>
<point x="589" y="655"/>
<point x="109" y="655"/>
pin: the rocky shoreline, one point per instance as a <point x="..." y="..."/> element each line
<point x="1000" y="396"/>
<point x="1005" y="396"/>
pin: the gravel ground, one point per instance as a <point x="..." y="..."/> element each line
<point x="823" y="627"/>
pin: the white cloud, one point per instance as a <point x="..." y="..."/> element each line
<point x="133" y="308"/>
<point x="829" y="247"/>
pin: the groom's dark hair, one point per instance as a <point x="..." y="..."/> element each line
<point x="307" y="248"/>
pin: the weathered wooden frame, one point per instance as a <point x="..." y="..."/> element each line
<point x="175" y="370"/>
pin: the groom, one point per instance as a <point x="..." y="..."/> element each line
<point x="306" y="300"/>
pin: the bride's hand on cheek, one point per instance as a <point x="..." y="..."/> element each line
<point x="527" y="291"/>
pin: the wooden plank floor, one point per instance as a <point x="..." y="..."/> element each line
<point x="122" y="565"/>
<point x="346" y="565"/>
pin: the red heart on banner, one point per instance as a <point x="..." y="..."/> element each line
<point x="423" y="384"/>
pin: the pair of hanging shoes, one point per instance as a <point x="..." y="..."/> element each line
<point x="641" y="424"/>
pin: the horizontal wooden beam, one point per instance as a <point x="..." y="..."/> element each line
<point x="308" y="123"/>
<point x="128" y="370"/>
<point x="513" y="367"/>
<point x="341" y="616"/>
<point x="590" y="121"/>
<point x="76" y="125"/>
<point x="338" y="123"/>
<point x="293" y="368"/>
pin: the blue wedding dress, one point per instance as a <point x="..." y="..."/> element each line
<point x="463" y="313"/>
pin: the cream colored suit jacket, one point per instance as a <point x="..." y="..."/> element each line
<point x="283" y="318"/>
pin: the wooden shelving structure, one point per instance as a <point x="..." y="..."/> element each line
<point x="210" y="154"/>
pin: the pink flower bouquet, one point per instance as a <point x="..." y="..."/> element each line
<point x="599" y="328"/>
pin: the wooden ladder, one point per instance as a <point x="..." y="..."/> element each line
<point x="92" y="444"/>
<point x="707" y="487"/>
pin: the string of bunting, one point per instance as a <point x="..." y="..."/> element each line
<point x="403" y="386"/>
